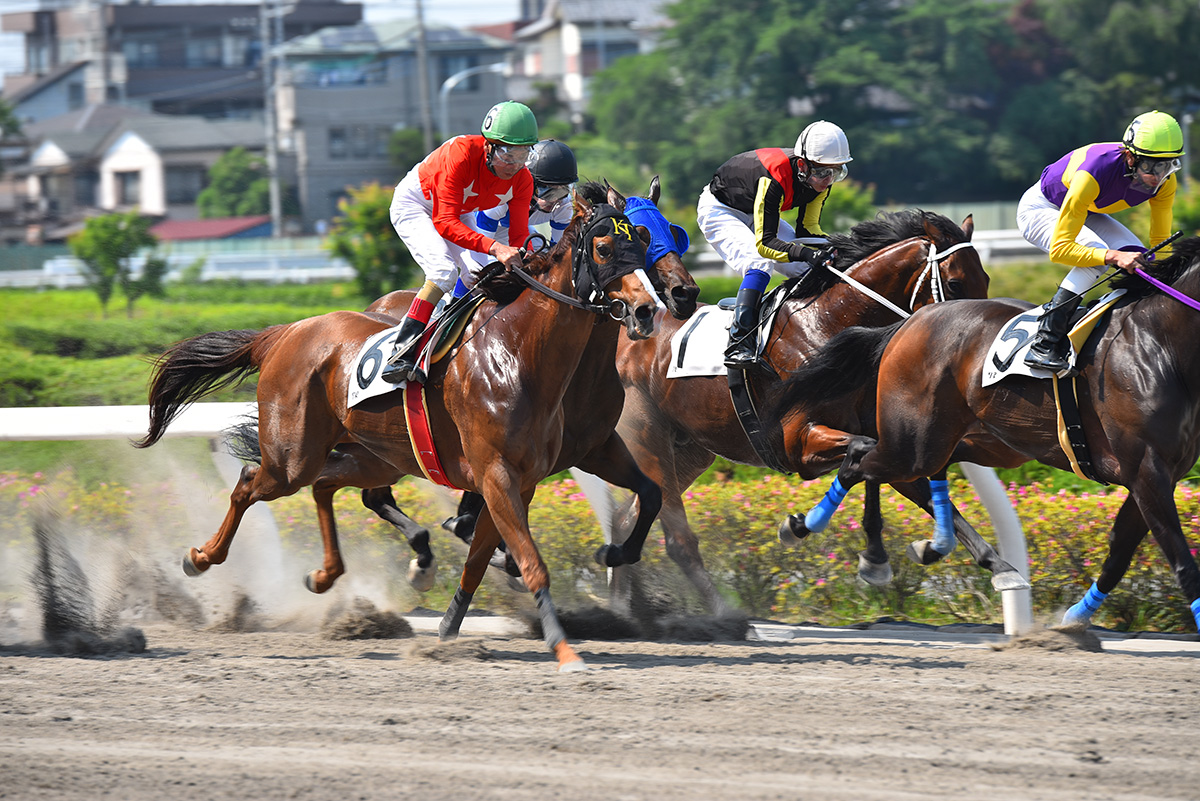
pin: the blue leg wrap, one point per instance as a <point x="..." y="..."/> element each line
<point x="822" y="513"/>
<point x="1082" y="612"/>
<point x="756" y="280"/>
<point x="943" y="518"/>
<point x="1196" y="612"/>
<point x="460" y="289"/>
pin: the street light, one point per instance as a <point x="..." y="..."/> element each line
<point x="454" y="80"/>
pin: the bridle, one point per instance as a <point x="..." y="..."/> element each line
<point x="932" y="272"/>
<point x="585" y="273"/>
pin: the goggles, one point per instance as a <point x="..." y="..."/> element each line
<point x="552" y="193"/>
<point x="510" y="154"/>
<point x="1160" y="167"/>
<point x="837" y="172"/>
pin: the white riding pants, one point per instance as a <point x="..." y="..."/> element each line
<point x="731" y="235"/>
<point x="412" y="216"/>
<point x="1037" y="216"/>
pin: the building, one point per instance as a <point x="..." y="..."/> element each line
<point x="569" y="41"/>
<point x="344" y="91"/>
<point x="177" y="59"/>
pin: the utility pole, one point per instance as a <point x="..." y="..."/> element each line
<point x="267" y="64"/>
<point x="423" y="79"/>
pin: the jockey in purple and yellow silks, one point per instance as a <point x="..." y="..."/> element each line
<point x="1066" y="214"/>
<point x="740" y="214"/>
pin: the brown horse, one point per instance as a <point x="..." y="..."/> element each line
<point x="1138" y="395"/>
<point x="675" y="427"/>
<point x="591" y="407"/>
<point x="495" y="405"/>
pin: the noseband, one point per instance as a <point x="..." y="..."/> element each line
<point x="932" y="271"/>
<point x="585" y="273"/>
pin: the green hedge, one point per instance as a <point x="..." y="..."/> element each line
<point x="735" y="523"/>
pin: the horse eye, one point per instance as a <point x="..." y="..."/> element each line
<point x="955" y="289"/>
<point x="603" y="248"/>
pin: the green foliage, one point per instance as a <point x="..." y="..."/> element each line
<point x="105" y="245"/>
<point x="364" y="237"/>
<point x="238" y="186"/>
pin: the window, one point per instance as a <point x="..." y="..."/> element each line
<point x="454" y="64"/>
<point x="74" y="95"/>
<point x="129" y="187"/>
<point x="204" y="53"/>
<point x="360" y="142"/>
<point x="184" y="183"/>
<point x="337" y="143"/>
<point x="383" y="135"/>
<point x="140" y="54"/>
<point x="593" y="54"/>
<point x="85" y="188"/>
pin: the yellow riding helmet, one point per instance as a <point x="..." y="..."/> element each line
<point x="1154" y="135"/>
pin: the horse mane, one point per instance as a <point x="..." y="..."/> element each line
<point x="593" y="192"/>
<point x="506" y="287"/>
<point x="871" y="236"/>
<point x="1169" y="270"/>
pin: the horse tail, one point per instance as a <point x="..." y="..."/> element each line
<point x="241" y="440"/>
<point x="199" y="366"/>
<point x="844" y="365"/>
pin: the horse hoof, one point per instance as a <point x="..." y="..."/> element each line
<point x="609" y="555"/>
<point x="576" y="666"/>
<point x="877" y="575"/>
<point x="315" y="586"/>
<point x="922" y="553"/>
<point x="792" y="530"/>
<point x="421" y="578"/>
<point x="1009" y="580"/>
<point x="190" y="568"/>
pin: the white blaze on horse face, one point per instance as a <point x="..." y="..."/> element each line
<point x="645" y="279"/>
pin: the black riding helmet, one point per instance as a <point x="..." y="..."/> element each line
<point x="552" y="162"/>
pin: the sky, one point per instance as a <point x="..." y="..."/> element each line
<point x="452" y="12"/>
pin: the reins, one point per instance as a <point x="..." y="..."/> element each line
<point x="932" y="271"/>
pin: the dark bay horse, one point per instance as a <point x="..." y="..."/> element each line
<point x="1138" y="394"/>
<point x="675" y="427"/>
<point x="495" y="405"/>
<point x="591" y="407"/>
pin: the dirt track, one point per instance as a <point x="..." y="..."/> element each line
<point x="210" y="715"/>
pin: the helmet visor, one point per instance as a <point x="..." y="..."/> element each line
<point x="511" y="154"/>
<point x="832" y="173"/>
<point x="551" y="193"/>
<point x="1160" y="167"/>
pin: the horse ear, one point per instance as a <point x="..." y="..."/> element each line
<point x="968" y="226"/>
<point x="655" y="190"/>
<point x="615" y="198"/>
<point x="645" y="234"/>
<point x="931" y="230"/>
<point x="582" y="206"/>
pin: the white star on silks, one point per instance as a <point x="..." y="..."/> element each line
<point x="469" y="191"/>
<point x="503" y="199"/>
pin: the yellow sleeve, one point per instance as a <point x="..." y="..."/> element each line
<point x="1161" y="215"/>
<point x="1081" y="196"/>
<point x="812" y="213"/>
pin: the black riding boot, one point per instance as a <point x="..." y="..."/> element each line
<point x="743" y="339"/>
<point x="403" y="362"/>
<point x="1051" y="347"/>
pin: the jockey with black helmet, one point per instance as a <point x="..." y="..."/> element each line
<point x="1066" y="214"/>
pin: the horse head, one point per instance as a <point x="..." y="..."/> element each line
<point x="608" y="266"/>
<point x="665" y="244"/>
<point x="913" y="257"/>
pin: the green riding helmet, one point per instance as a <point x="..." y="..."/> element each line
<point x="1154" y="135"/>
<point x="510" y="123"/>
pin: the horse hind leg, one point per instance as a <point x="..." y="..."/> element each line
<point x="873" y="566"/>
<point x="254" y="484"/>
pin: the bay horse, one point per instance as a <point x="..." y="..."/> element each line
<point x="495" y="405"/>
<point x="591" y="407"/>
<point x="676" y="427"/>
<point x="1138" y="396"/>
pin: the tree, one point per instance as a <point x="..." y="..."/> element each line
<point x="364" y="237"/>
<point x="238" y="186"/>
<point x="150" y="282"/>
<point x="104" y="246"/>
<point x="406" y="149"/>
<point x="10" y="126"/>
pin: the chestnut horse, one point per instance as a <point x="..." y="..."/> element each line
<point x="1138" y="396"/>
<point x="591" y="407"/>
<point x="675" y="427"/>
<point x="495" y="405"/>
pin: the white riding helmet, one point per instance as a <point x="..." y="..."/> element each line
<point x="824" y="143"/>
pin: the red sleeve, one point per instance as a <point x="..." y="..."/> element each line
<point x="518" y="209"/>
<point x="453" y="171"/>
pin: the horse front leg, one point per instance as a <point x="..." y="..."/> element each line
<point x="509" y="508"/>
<point x="1004" y="575"/>
<point x="613" y="463"/>
<point x="1155" y="496"/>
<point x="849" y="474"/>
<point x="462" y="525"/>
<point x="873" y="566"/>
<point x="1128" y="531"/>
<point x="486" y="538"/>
<point x="422" y="570"/>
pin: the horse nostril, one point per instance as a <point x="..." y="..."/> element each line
<point x="645" y="313"/>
